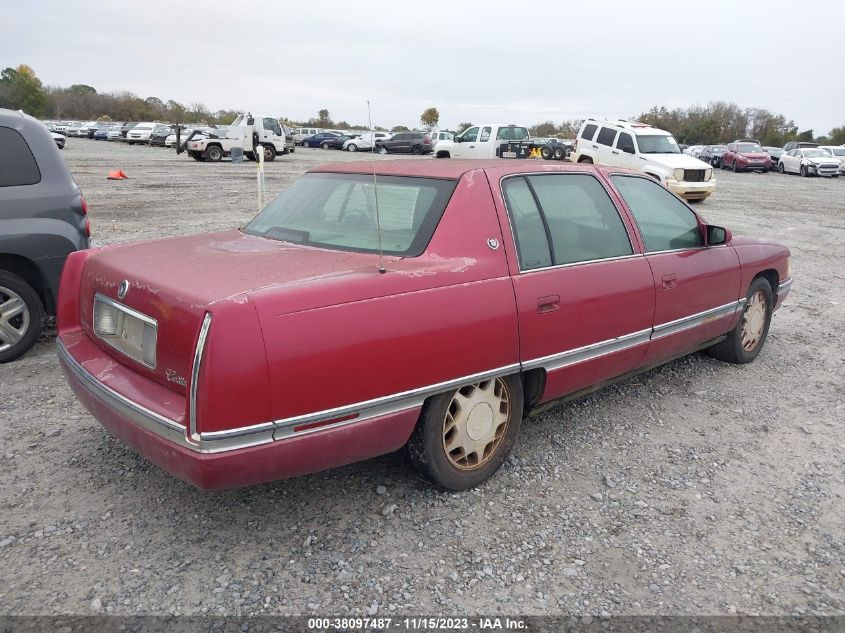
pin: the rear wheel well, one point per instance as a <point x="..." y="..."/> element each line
<point x="26" y="270"/>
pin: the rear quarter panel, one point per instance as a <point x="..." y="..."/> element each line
<point x="444" y="315"/>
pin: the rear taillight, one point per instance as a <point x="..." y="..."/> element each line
<point x="427" y="140"/>
<point x="84" y="205"/>
<point x="87" y="227"/>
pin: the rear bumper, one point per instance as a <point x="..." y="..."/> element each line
<point x="165" y="442"/>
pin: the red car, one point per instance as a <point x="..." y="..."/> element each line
<point x="285" y="348"/>
<point x="746" y="156"/>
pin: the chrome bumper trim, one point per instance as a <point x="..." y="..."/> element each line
<point x="589" y="352"/>
<point x="785" y="285"/>
<point x="694" y="320"/>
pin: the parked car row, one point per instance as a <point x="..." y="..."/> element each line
<point x="799" y="157"/>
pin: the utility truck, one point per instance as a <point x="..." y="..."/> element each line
<point x="490" y="140"/>
<point x="249" y="133"/>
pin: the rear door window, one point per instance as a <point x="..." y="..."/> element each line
<point x="562" y="219"/>
<point x="17" y="164"/>
<point x="606" y="136"/>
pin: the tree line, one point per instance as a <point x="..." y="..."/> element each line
<point x="717" y="122"/>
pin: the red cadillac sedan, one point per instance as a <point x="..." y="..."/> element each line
<point x="430" y="308"/>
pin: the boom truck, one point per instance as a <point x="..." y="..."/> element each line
<point x="247" y="132"/>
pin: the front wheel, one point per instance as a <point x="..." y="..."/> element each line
<point x="325" y="146"/>
<point x="21" y="316"/>
<point x="735" y="167"/>
<point x="546" y="153"/>
<point x="269" y="153"/>
<point x="352" y="147"/>
<point x="381" y="149"/>
<point x="463" y="436"/>
<point x="781" y="168"/>
<point x="804" y="171"/>
<point x="745" y="341"/>
<point x="305" y="144"/>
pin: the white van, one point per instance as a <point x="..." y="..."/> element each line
<point x="644" y="148"/>
<point x="300" y="133"/>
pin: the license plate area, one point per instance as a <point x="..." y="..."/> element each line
<point x="130" y="332"/>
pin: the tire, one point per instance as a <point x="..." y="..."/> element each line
<point x="803" y="171"/>
<point x="781" y="168"/>
<point x="352" y="147"/>
<point x="443" y="422"/>
<point x="249" y="155"/>
<point x="21" y="316"/>
<point x="214" y="153"/>
<point x="417" y="150"/>
<point x="546" y="153"/>
<point x="559" y="153"/>
<point x="130" y="143"/>
<point x="325" y="146"/>
<point x="745" y="341"/>
<point x="381" y="149"/>
<point x="305" y="144"/>
<point x="269" y="153"/>
<point x="735" y="167"/>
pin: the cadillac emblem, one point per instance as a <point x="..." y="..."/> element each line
<point x="122" y="289"/>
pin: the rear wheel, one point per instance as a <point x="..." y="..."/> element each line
<point x="781" y="168"/>
<point x="745" y="341"/>
<point x="381" y="149"/>
<point x="325" y="146"/>
<point x="463" y="436"/>
<point x="21" y="316"/>
<point x="305" y="144"/>
<point x="546" y="152"/>
<point x="214" y="153"/>
<point x="417" y="149"/>
<point x="269" y="153"/>
<point x="559" y="153"/>
<point x="352" y="147"/>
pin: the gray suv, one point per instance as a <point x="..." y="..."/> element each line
<point x="42" y="220"/>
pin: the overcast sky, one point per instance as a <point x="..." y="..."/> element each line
<point x="520" y="62"/>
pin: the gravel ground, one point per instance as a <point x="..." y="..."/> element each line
<point x="696" y="488"/>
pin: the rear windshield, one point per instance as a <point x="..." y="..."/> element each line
<point x="338" y="211"/>
<point x="512" y="133"/>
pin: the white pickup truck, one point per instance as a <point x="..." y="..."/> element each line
<point x="490" y="140"/>
<point x="246" y="132"/>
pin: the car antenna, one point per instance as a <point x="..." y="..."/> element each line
<point x="381" y="267"/>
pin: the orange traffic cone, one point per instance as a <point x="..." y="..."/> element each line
<point x="117" y="174"/>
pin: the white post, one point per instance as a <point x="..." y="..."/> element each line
<point x="259" y="162"/>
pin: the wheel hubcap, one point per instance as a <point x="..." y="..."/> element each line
<point x="14" y="318"/>
<point x="754" y="321"/>
<point x="475" y="423"/>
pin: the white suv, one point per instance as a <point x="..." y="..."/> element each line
<point x="644" y="148"/>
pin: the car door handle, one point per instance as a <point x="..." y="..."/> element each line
<point x="595" y="146"/>
<point x="670" y="281"/>
<point x="615" y="152"/>
<point x="548" y="304"/>
<point x="472" y="146"/>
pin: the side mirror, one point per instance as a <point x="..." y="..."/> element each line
<point x="717" y="235"/>
<point x="459" y="139"/>
<point x="628" y="149"/>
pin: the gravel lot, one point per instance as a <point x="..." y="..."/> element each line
<point x="697" y="488"/>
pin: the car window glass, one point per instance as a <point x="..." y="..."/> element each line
<point x="529" y="232"/>
<point x="664" y="221"/>
<point x="582" y="219"/>
<point x="470" y="135"/>
<point x="485" y="134"/>
<point x="624" y="140"/>
<point x="511" y="133"/>
<point x="338" y="211"/>
<point x="17" y="164"/>
<point x="589" y="131"/>
<point x="606" y="136"/>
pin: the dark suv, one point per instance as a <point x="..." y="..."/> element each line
<point x="406" y="142"/>
<point x="42" y="220"/>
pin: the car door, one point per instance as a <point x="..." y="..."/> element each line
<point x="466" y="146"/>
<point x="585" y="296"/>
<point x="697" y="287"/>
<point x="485" y="142"/>
<point x="624" y="151"/>
<point x="604" y="144"/>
